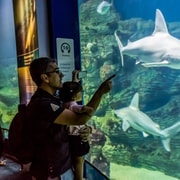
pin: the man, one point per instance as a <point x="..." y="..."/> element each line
<point x="47" y="122"/>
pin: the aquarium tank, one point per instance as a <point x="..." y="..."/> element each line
<point x="9" y="88"/>
<point x="136" y="127"/>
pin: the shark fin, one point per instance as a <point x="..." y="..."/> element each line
<point x="145" y="134"/>
<point x="125" y="125"/>
<point x="160" y="23"/>
<point x="135" y="102"/>
<point x="120" y="45"/>
<point x="138" y="61"/>
<point x="166" y="144"/>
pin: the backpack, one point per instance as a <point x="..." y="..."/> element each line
<point x="16" y="135"/>
<point x="1" y="142"/>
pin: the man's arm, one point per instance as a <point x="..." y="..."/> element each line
<point x="68" y="117"/>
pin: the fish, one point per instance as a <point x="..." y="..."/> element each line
<point x="131" y="116"/>
<point x="160" y="49"/>
<point x="104" y="7"/>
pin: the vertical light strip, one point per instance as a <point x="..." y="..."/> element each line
<point x="27" y="44"/>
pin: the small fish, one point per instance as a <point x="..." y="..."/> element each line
<point x="104" y="7"/>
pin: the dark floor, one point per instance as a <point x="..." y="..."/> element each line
<point x="12" y="171"/>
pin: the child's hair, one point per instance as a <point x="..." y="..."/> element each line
<point x="68" y="90"/>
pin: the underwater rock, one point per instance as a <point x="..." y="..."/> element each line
<point x="8" y="99"/>
<point x="94" y="49"/>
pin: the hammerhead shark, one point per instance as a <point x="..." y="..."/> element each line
<point x="157" y="50"/>
<point x="131" y="116"/>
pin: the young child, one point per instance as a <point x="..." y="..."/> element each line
<point x="70" y="94"/>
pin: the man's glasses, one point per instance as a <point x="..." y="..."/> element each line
<point x="54" y="71"/>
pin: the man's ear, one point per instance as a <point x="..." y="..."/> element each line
<point x="44" y="78"/>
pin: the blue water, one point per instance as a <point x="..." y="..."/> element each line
<point x="158" y="87"/>
<point x="146" y="8"/>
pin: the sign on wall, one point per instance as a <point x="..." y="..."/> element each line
<point x="65" y="56"/>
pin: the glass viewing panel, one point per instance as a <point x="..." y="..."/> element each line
<point x="136" y="127"/>
<point x="9" y="88"/>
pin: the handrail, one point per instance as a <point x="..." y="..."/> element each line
<point x="104" y="177"/>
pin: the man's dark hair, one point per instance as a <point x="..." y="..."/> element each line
<point x="39" y="66"/>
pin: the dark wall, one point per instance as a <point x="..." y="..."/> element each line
<point x="63" y="18"/>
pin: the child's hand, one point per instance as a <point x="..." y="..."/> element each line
<point x="75" y="76"/>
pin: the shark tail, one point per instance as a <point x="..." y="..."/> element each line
<point x="168" y="134"/>
<point x="166" y="144"/>
<point x="172" y="130"/>
<point x="120" y="45"/>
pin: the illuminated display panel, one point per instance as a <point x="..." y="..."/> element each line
<point x="19" y="46"/>
<point x="136" y="128"/>
<point x="25" y="23"/>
